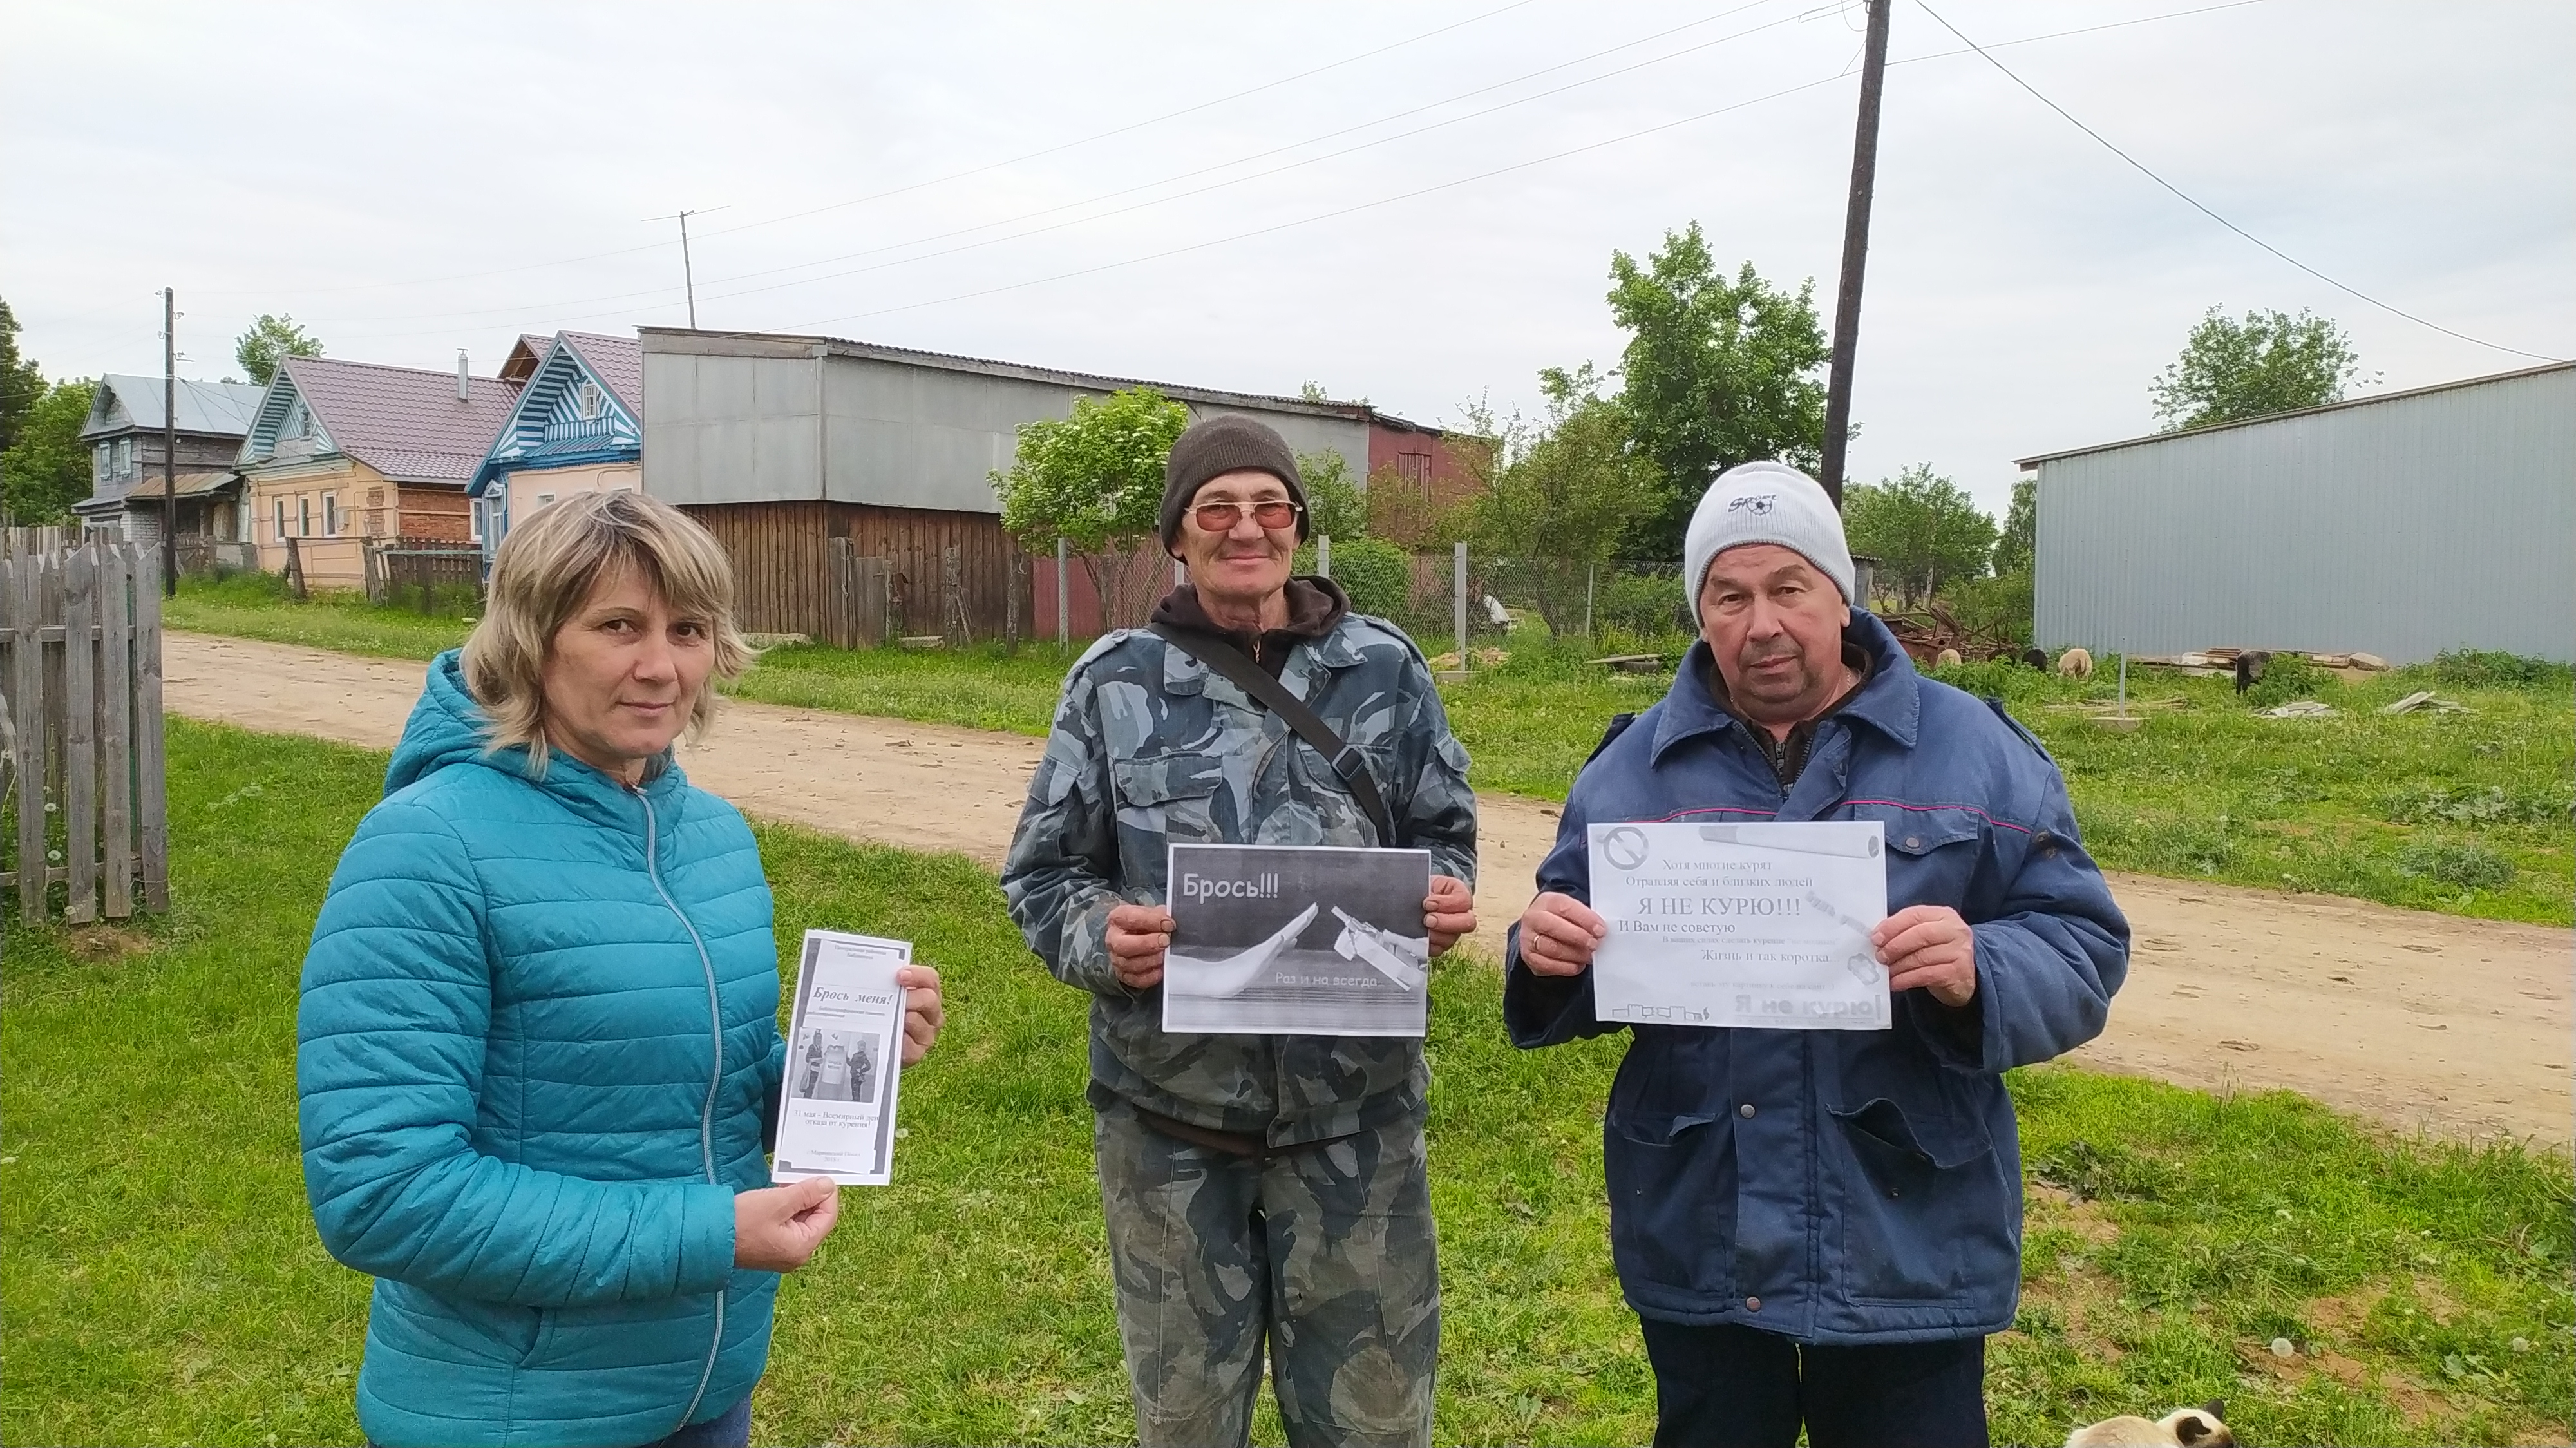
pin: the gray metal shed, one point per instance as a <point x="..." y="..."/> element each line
<point x="740" y="417"/>
<point x="2401" y="524"/>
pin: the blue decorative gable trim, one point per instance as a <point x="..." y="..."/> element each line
<point x="565" y="415"/>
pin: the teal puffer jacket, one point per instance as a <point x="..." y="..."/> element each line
<point x="537" y="1042"/>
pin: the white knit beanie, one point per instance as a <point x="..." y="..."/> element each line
<point x="1765" y="503"/>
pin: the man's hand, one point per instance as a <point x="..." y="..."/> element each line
<point x="923" y="1010"/>
<point x="1449" y="913"/>
<point x="1559" y="934"/>
<point x="1931" y="947"/>
<point x="1137" y="937"/>
<point x="775" y="1229"/>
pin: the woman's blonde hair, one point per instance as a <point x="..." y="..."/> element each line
<point x="549" y="566"/>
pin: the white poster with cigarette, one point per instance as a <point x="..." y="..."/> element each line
<point x="1763" y="925"/>
<point x="844" y="1061"/>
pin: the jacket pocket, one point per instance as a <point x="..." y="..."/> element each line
<point x="462" y="1330"/>
<point x="1672" y="1200"/>
<point x="1932" y="852"/>
<point x="1916" y="1187"/>
<point x="1172" y="795"/>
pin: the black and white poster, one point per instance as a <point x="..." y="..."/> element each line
<point x="844" y="1039"/>
<point x="1298" y="940"/>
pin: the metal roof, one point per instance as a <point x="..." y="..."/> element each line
<point x="680" y="339"/>
<point x="222" y="409"/>
<point x="405" y="422"/>
<point x="618" y="362"/>
<point x="2371" y="401"/>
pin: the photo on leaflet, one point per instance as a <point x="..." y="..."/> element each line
<point x="833" y="1066"/>
<point x="1271" y="939"/>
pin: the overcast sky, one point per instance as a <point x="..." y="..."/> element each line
<point x="1412" y="204"/>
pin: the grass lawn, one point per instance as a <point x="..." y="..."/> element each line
<point x="2463" y="813"/>
<point x="161" y="1281"/>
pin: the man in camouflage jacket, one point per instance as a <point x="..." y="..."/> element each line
<point x="1258" y="1189"/>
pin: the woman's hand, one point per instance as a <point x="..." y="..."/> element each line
<point x="1449" y="913"/>
<point x="923" y="1010"/>
<point x="1137" y="937"/>
<point x="775" y="1229"/>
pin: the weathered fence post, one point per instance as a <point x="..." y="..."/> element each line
<point x="80" y="736"/>
<point x="151" y="782"/>
<point x="1063" y="596"/>
<point x="1458" y="598"/>
<point x="27" y="705"/>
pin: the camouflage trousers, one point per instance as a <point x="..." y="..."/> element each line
<point x="1326" y="1256"/>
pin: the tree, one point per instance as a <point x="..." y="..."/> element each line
<point x="269" y="338"/>
<point x="2017" y="548"/>
<point x="1557" y="497"/>
<point x="1334" y="507"/>
<point x="21" y="382"/>
<point x="1717" y="373"/>
<point x="46" y="469"/>
<point x="1095" y="479"/>
<point x="2270" y="362"/>
<point x="1923" y="529"/>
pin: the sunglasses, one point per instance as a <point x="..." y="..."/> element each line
<point x="1269" y="513"/>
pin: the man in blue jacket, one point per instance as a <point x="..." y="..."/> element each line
<point x="1821" y="1227"/>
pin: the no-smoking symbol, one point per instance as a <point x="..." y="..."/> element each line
<point x="1624" y="847"/>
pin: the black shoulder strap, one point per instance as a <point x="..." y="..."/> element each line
<point x="1254" y="680"/>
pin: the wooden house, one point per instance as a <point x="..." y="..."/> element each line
<point x="576" y="427"/>
<point x="340" y="452"/>
<point x="126" y="432"/>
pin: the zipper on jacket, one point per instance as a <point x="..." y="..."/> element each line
<point x="715" y="1079"/>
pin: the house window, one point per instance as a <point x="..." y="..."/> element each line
<point x="304" y="515"/>
<point x="106" y="460"/>
<point x="545" y="498"/>
<point x="591" y="401"/>
<point x="299" y="423"/>
<point x="330" y="515"/>
<point x="124" y="456"/>
<point x="281" y="520"/>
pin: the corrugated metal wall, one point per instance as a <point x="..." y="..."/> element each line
<point x="2402" y="527"/>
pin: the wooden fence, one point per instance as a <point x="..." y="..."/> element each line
<point x="397" y="568"/>
<point x="83" y="803"/>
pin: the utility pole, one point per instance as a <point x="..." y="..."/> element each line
<point x="688" y="278"/>
<point x="1864" y="180"/>
<point x="169" y="443"/>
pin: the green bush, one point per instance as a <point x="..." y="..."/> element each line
<point x="2495" y="669"/>
<point x="1377" y="574"/>
<point x="1648" y="605"/>
<point x="2001" y="604"/>
<point x="2286" y="677"/>
<point x="2468" y="866"/>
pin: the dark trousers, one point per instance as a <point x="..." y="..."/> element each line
<point x="1737" y="1387"/>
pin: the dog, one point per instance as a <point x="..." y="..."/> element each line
<point x="2075" y="664"/>
<point x="2201" y="1427"/>
<point x="2249" y="668"/>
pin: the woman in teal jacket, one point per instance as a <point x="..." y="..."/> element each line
<point x="538" y="1039"/>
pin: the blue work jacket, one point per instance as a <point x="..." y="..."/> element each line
<point x="1843" y="1186"/>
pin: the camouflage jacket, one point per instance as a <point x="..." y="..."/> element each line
<point x="1150" y="748"/>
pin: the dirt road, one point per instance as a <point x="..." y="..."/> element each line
<point x="2459" y="1027"/>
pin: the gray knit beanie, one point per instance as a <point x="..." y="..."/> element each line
<point x="1226" y="443"/>
<point x="1765" y="503"/>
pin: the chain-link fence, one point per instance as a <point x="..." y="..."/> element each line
<point x="1470" y="610"/>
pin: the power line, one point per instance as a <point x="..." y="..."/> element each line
<point x="1328" y="215"/>
<point x="1228" y="164"/>
<point x="2144" y="170"/>
<point x="936" y="180"/>
<point x="660" y="292"/>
